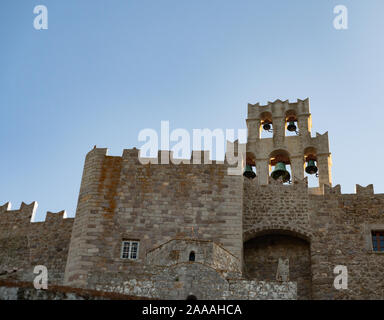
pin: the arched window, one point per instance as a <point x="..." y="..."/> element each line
<point x="291" y="123"/>
<point x="266" y="129"/>
<point x="192" y="256"/>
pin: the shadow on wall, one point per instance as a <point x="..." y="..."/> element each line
<point x="280" y="257"/>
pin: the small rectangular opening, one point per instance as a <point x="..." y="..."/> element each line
<point x="378" y="241"/>
<point x="130" y="249"/>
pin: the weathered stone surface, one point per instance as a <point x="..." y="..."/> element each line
<point x="24" y="291"/>
<point x="206" y="252"/>
<point x="23" y="244"/>
<point x="195" y="279"/>
<point x="238" y="229"/>
<point x="262" y="255"/>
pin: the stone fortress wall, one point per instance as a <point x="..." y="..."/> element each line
<point x="25" y="244"/>
<point x="252" y="239"/>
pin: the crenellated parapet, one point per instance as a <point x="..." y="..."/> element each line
<point x="27" y="213"/>
<point x="24" y="214"/>
<point x="364" y="191"/>
<point x="331" y="190"/>
<point x="25" y="243"/>
<point x="165" y="157"/>
<point x="234" y="160"/>
<point x="278" y="108"/>
<point x="276" y="113"/>
<point x="360" y="191"/>
<point x="5" y="207"/>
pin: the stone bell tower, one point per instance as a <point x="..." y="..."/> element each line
<point x="295" y="150"/>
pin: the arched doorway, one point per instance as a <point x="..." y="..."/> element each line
<point x="263" y="252"/>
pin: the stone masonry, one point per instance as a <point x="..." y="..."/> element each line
<point x="203" y="233"/>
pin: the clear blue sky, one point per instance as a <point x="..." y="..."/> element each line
<point x="104" y="70"/>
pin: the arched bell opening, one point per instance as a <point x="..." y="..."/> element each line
<point x="291" y="123"/>
<point x="250" y="166"/>
<point x="278" y="256"/>
<point x="311" y="170"/>
<point x="280" y="166"/>
<point x="266" y="125"/>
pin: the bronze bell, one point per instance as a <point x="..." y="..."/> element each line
<point x="248" y="172"/>
<point x="280" y="171"/>
<point x="311" y="167"/>
<point x="291" y="126"/>
<point x="267" y="126"/>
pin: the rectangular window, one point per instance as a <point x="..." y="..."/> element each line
<point x="378" y="240"/>
<point x="130" y="249"/>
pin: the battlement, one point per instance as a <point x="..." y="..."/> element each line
<point x="317" y="191"/>
<point x="27" y="212"/>
<point x="278" y="108"/>
<point x="359" y="191"/>
<point x="165" y="157"/>
<point x="25" y="243"/>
